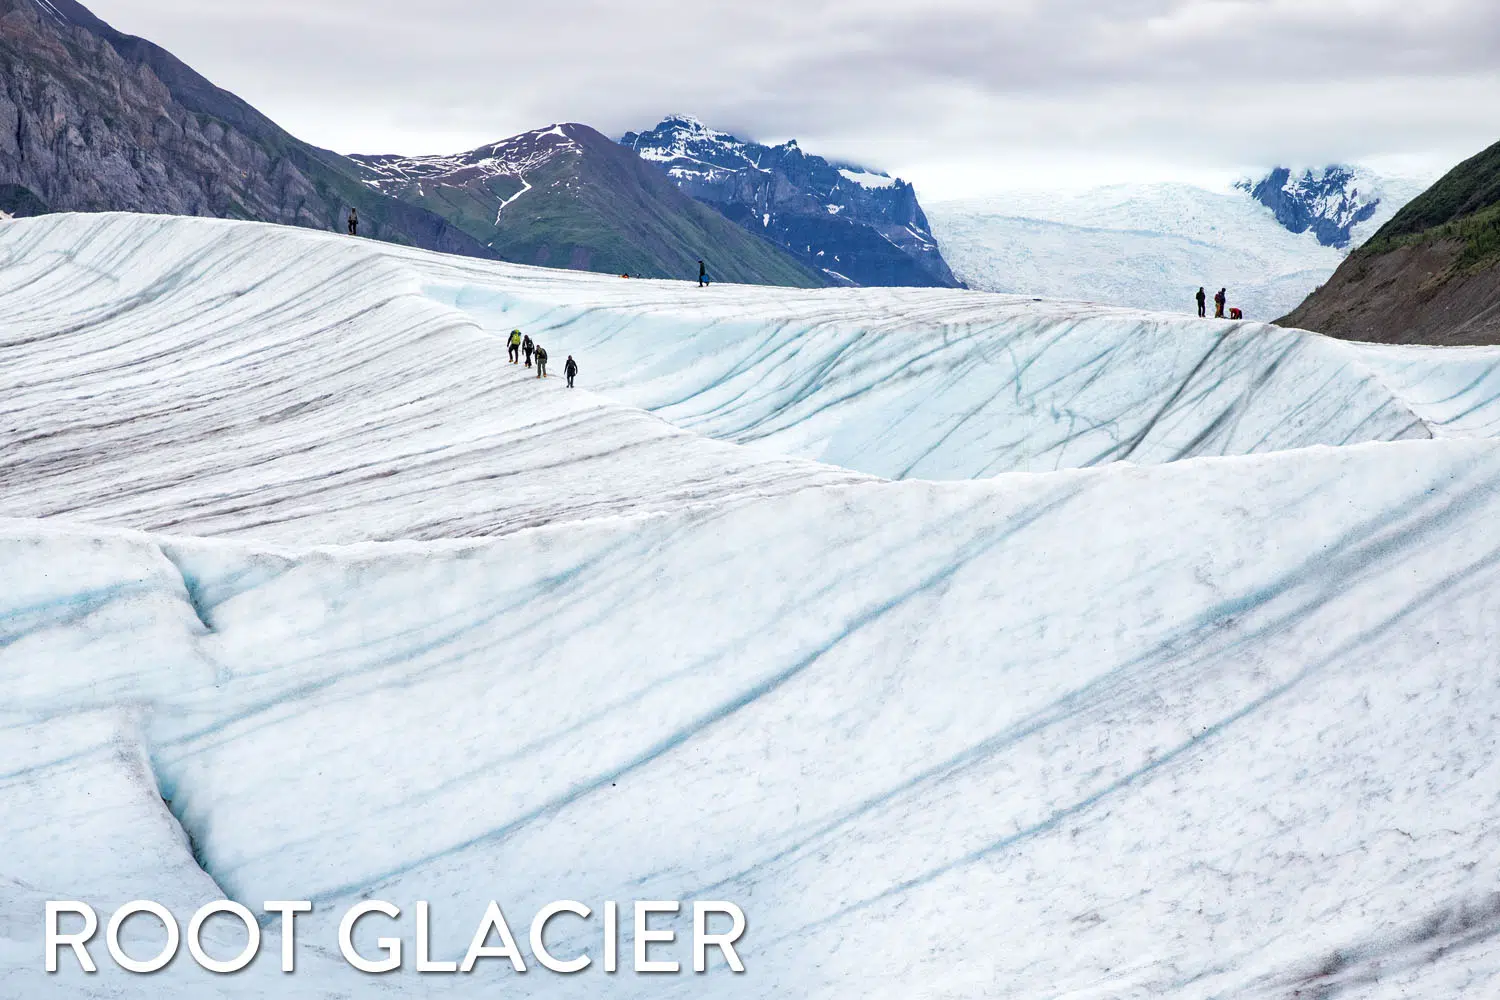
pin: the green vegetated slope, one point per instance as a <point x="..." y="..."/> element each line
<point x="1464" y="204"/>
<point x="1430" y="276"/>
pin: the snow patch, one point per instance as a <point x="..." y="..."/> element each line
<point x="525" y="186"/>
<point x="867" y="179"/>
<point x="48" y="9"/>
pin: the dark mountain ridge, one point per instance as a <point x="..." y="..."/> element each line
<point x="92" y="119"/>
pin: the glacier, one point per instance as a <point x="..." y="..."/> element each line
<point x="1151" y="245"/>
<point x="974" y="645"/>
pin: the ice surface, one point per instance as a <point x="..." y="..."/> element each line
<point x="1456" y="393"/>
<point x="940" y="385"/>
<point x="293" y="386"/>
<point x="1218" y="726"/>
<point x="206" y="378"/>
<point x="1101" y="726"/>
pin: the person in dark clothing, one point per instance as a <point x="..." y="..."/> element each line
<point x="527" y="347"/>
<point x="541" y="361"/>
<point x="702" y="274"/>
<point x="570" y="369"/>
<point x="353" y="222"/>
<point x="515" y="347"/>
<point x="1202" y="303"/>
<point x="1219" y="300"/>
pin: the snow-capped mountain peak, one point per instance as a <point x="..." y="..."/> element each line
<point x="1330" y="202"/>
<point x="855" y="224"/>
<point x="692" y="125"/>
<point x="688" y="147"/>
<point x="512" y="157"/>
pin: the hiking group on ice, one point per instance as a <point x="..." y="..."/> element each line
<point x="518" y="345"/>
<point x="1221" y="299"/>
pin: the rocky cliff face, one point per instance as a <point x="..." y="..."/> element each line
<point x="854" y="225"/>
<point x="93" y="120"/>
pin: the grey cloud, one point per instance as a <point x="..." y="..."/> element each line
<point x="1207" y="83"/>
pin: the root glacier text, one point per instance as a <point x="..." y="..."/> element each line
<point x="650" y="950"/>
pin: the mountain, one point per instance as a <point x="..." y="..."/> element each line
<point x="1328" y="202"/>
<point x="94" y="120"/>
<point x="1429" y="276"/>
<point x="567" y="196"/>
<point x="855" y="225"/>
<point x="1150" y="246"/>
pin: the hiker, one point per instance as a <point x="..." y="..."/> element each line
<point x="527" y="347"/>
<point x="515" y="347"/>
<point x="1219" y="300"/>
<point x="702" y="274"/>
<point x="541" y="361"/>
<point x="571" y="370"/>
<point x="353" y="222"/>
<point x="1202" y="303"/>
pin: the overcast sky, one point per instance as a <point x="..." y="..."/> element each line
<point x="960" y="96"/>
